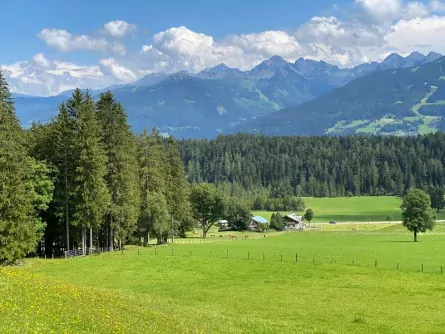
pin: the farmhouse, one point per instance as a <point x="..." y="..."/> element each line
<point x="294" y="222"/>
<point x="223" y="224"/>
<point x="256" y="223"/>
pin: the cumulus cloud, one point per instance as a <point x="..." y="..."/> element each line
<point x="118" y="28"/>
<point x="375" y="29"/>
<point x="122" y="73"/>
<point x="382" y="10"/>
<point x="65" y="41"/>
<point x="437" y="6"/>
<point x="422" y="34"/>
<point x="43" y="77"/>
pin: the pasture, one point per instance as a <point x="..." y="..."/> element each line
<point x="352" y="209"/>
<point x="239" y="286"/>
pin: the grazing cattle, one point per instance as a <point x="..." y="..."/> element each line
<point x="221" y="236"/>
<point x="234" y="237"/>
<point x="354" y="229"/>
<point x="245" y="237"/>
<point x="213" y="235"/>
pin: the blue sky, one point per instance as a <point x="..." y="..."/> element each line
<point x="216" y="18"/>
<point x="49" y="46"/>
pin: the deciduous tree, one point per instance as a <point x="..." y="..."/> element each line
<point x="208" y="205"/>
<point x="417" y="214"/>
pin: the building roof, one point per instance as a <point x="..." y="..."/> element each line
<point x="295" y="218"/>
<point x="260" y="220"/>
<point x="223" y="221"/>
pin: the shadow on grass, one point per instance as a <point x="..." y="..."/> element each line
<point x="396" y="241"/>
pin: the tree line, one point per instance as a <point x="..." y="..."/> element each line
<point x="249" y="165"/>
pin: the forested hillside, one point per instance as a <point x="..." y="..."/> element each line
<point x="316" y="166"/>
<point x="401" y="101"/>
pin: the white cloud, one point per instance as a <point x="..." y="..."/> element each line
<point x="415" y="10"/>
<point x="437" y="6"/>
<point x="382" y="10"/>
<point x="122" y="73"/>
<point x="422" y="34"/>
<point x="40" y="76"/>
<point x="375" y="29"/>
<point x="65" y="41"/>
<point x="119" y="28"/>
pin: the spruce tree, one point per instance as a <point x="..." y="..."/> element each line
<point x="151" y="177"/>
<point x="177" y="190"/>
<point x="18" y="223"/>
<point x="65" y="159"/>
<point x="91" y="193"/>
<point x="122" y="169"/>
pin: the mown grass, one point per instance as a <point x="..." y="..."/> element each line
<point x="353" y="209"/>
<point x="199" y="289"/>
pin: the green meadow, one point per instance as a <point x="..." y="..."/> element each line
<point x="324" y="280"/>
<point x="353" y="209"/>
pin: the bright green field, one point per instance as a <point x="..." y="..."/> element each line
<point x="352" y="209"/>
<point x="199" y="290"/>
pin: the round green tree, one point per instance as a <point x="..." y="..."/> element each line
<point x="309" y="215"/>
<point x="417" y="214"/>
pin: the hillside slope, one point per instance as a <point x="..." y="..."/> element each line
<point x="399" y="101"/>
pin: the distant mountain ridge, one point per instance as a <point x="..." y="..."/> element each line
<point x="402" y="101"/>
<point x="220" y="99"/>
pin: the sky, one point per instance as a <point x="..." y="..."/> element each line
<point x="51" y="46"/>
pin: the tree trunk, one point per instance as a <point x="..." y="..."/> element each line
<point x="83" y="240"/>
<point x="91" y="238"/>
<point x="111" y="234"/>
<point x="204" y="232"/>
<point x="67" y="221"/>
<point x="106" y="235"/>
<point x="415" y="236"/>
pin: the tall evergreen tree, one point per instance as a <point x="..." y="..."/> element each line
<point x="18" y="223"/>
<point x="91" y="193"/>
<point x="122" y="168"/>
<point x="177" y="190"/>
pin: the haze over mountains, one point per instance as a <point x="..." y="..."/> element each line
<point x="226" y="100"/>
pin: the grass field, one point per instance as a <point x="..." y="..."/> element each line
<point x="230" y="286"/>
<point x="352" y="209"/>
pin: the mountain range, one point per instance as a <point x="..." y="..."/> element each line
<point x="226" y="100"/>
<point x="402" y="101"/>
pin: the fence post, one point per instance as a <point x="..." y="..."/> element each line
<point x="122" y="251"/>
<point x="397" y="266"/>
<point x="313" y="260"/>
<point x="422" y="267"/>
<point x="353" y="262"/>
<point x="138" y="251"/>
<point x="263" y="256"/>
<point x="375" y="264"/>
<point x="248" y="255"/>
<point x="296" y="257"/>
<point x="172" y="250"/>
<point x="441" y="269"/>
<point x="227" y="253"/>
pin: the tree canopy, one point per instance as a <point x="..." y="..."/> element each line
<point x="417" y="214"/>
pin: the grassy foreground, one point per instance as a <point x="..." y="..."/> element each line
<point x="199" y="290"/>
<point x="353" y="209"/>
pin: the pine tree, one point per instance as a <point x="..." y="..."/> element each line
<point x="64" y="158"/>
<point x="91" y="193"/>
<point x="122" y="171"/>
<point x="152" y="181"/>
<point x="177" y="190"/>
<point x="18" y="223"/>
